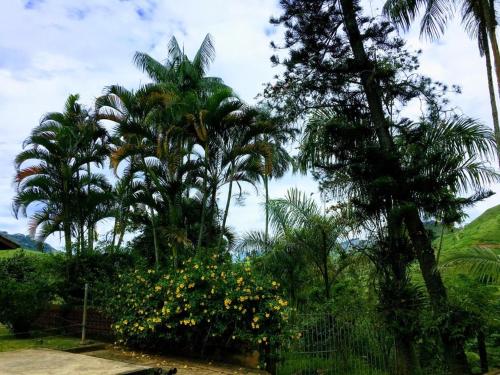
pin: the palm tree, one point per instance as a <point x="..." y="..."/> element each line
<point x="138" y="139"/>
<point x="239" y="155"/>
<point x="483" y="263"/>
<point x="479" y="21"/>
<point x="203" y="104"/>
<point x="302" y="230"/>
<point x="56" y="153"/>
<point x="277" y="134"/>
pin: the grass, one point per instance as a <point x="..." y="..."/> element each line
<point x="481" y="232"/>
<point x="11" y="253"/>
<point x="8" y="342"/>
<point x="308" y="364"/>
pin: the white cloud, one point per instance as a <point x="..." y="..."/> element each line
<point x="52" y="48"/>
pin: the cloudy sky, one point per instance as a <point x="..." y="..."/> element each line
<point x="52" y="48"/>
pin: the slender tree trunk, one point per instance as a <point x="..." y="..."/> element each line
<point x="203" y="202"/>
<point x="326" y="278"/>
<point x="155" y="239"/>
<point x="483" y="354"/>
<point x="203" y="214"/>
<point x="67" y="238"/>
<point x="266" y="187"/>
<point x="489" y="15"/>
<point x="120" y="238"/>
<point x="453" y="348"/>
<point x="113" y="239"/>
<point x="438" y="256"/>
<point x="491" y="89"/>
<point x="90" y="226"/>
<point x="226" y="211"/>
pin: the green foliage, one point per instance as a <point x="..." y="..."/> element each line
<point x="24" y="291"/>
<point x="100" y="270"/>
<point x="481" y="232"/>
<point x="207" y="303"/>
<point x="27" y="243"/>
<point x="12" y="253"/>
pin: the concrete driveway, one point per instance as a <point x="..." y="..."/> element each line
<point x="53" y="362"/>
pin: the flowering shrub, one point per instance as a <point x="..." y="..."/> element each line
<point x="205" y="304"/>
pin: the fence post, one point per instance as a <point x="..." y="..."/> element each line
<point x="84" y="318"/>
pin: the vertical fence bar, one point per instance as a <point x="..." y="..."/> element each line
<point x="84" y="318"/>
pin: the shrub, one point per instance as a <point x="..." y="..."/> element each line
<point x="98" y="269"/>
<point x="25" y="291"/>
<point x="204" y="305"/>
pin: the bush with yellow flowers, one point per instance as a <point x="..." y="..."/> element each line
<point x="204" y="305"/>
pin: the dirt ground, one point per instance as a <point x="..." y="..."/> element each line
<point x="184" y="366"/>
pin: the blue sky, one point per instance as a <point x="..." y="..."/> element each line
<point x="52" y="48"/>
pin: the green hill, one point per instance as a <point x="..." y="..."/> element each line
<point x="484" y="231"/>
<point x="11" y="253"/>
<point x="27" y="243"/>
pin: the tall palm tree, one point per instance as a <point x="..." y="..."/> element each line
<point x="138" y="139"/>
<point x="479" y="20"/>
<point x="240" y="152"/>
<point x="276" y="133"/>
<point x="50" y="174"/>
<point x="204" y="101"/>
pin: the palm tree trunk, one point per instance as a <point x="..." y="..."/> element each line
<point x="490" y="25"/>
<point x="483" y="355"/>
<point x="491" y="89"/>
<point x="155" y="240"/>
<point x="453" y="348"/>
<point x="266" y="187"/>
<point x="120" y="238"/>
<point x="90" y="226"/>
<point x="113" y="239"/>
<point x="226" y="211"/>
<point x="203" y="201"/>
<point x="326" y="278"/>
<point x="67" y="237"/>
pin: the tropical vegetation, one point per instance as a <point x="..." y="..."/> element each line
<point x="140" y="185"/>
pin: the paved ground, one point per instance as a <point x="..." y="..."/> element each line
<point x="53" y="362"/>
<point x="184" y="366"/>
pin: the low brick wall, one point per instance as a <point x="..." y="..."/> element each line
<point x="70" y="320"/>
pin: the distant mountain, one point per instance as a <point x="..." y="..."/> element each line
<point x="27" y="243"/>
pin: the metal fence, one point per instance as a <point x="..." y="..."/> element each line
<point x="321" y="344"/>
